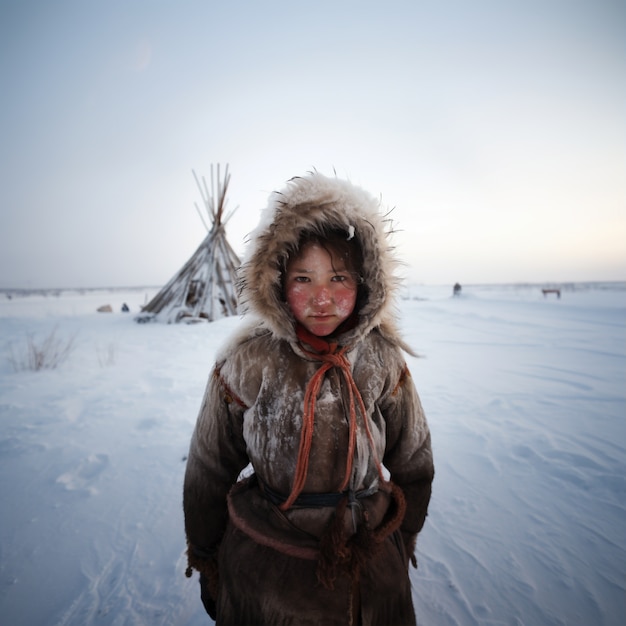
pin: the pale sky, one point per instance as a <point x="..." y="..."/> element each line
<point x="497" y="130"/>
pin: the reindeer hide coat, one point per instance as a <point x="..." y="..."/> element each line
<point x="258" y="563"/>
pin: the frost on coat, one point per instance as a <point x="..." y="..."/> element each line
<point x="253" y="406"/>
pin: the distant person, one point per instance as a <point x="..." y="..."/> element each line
<point x="456" y="290"/>
<point x="125" y="308"/>
<point x="315" y="394"/>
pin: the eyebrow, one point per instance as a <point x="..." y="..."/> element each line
<point x="304" y="270"/>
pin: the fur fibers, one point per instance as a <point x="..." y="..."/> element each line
<point x="309" y="204"/>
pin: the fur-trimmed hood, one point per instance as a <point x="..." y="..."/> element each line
<point x="309" y="204"/>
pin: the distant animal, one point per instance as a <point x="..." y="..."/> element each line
<point x="456" y="290"/>
<point x="547" y="291"/>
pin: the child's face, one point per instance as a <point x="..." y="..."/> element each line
<point x="321" y="292"/>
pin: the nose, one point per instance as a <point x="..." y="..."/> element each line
<point x="321" y="296"/>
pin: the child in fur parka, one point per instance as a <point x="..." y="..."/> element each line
<point x="315" y="396"/>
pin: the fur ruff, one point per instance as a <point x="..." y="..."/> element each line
<point x="310" y="204"/>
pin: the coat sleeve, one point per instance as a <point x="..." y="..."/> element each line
<point x="217" y="454"/>
<point x="408" y="454"/>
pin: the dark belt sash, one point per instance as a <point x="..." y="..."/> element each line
<point x="315" y="500"/>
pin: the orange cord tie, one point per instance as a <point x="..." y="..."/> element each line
<point x="331" y="358"/>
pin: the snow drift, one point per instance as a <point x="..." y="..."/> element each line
<point x="526" y="400"/>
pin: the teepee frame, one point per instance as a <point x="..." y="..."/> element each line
<point x="204" y="288"/>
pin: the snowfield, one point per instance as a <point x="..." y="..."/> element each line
<point x="526" y="400"/>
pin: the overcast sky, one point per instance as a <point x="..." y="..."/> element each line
<point x="497" y="130"/>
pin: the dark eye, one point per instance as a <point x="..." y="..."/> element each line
<point x="339" y="279"/>
<point x="301" y="279"/>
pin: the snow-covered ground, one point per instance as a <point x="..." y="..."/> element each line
<point x="526" y="398"/>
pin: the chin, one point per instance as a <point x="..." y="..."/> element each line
<point x="322" y="330"/>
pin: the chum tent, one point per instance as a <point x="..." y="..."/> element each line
<point x="205" y="287"/>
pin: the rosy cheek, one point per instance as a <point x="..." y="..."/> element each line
<point x="297" y="299"/>
<point x="345" y="302"/>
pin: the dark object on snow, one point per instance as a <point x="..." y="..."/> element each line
<point x="456" y="290"/>
<point x="547" y="291"/>
<point x="125" y="308"/>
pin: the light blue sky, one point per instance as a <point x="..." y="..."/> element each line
<point x="497" y="130"/>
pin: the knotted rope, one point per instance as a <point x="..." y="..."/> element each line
<point x="329" y="353"/>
